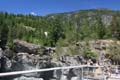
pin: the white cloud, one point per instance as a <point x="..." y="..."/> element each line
<point x="33" y="13"/>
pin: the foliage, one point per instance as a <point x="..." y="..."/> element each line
<point x="88" y="54"/>
<point x="113" y="53"/>
<point x="84" y="50"/>
<point x="70" y="27"/>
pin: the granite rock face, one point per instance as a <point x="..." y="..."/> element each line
<point x="25" y="61"/>
<point x="22" y="46"/>
<point x="25" y="57"/>
<point x="68" y="60"/>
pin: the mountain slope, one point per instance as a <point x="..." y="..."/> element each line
<point x="62" y="28"/>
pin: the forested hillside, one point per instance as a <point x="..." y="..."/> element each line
<point x="60" y="29"/>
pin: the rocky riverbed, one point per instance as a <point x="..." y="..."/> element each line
<point x="28" y="56"/>
<point x="25" y="57"/>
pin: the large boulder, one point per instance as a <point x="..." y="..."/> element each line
<point x="5" y="62"/>
<point x="21" y="61"/>
<point x="22" y="46"/>
<point x="68" y="74"/>
<point x="6" y="65"/>
<point x="6" y="58"/>
<point x="25" y="61"/>
<point x="75" y="60"/>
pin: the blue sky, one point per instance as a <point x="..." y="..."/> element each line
<point x="44" y="7"/>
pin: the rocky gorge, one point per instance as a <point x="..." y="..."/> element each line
<point x="25" y="57"/>
<point x="28" y="56"/>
